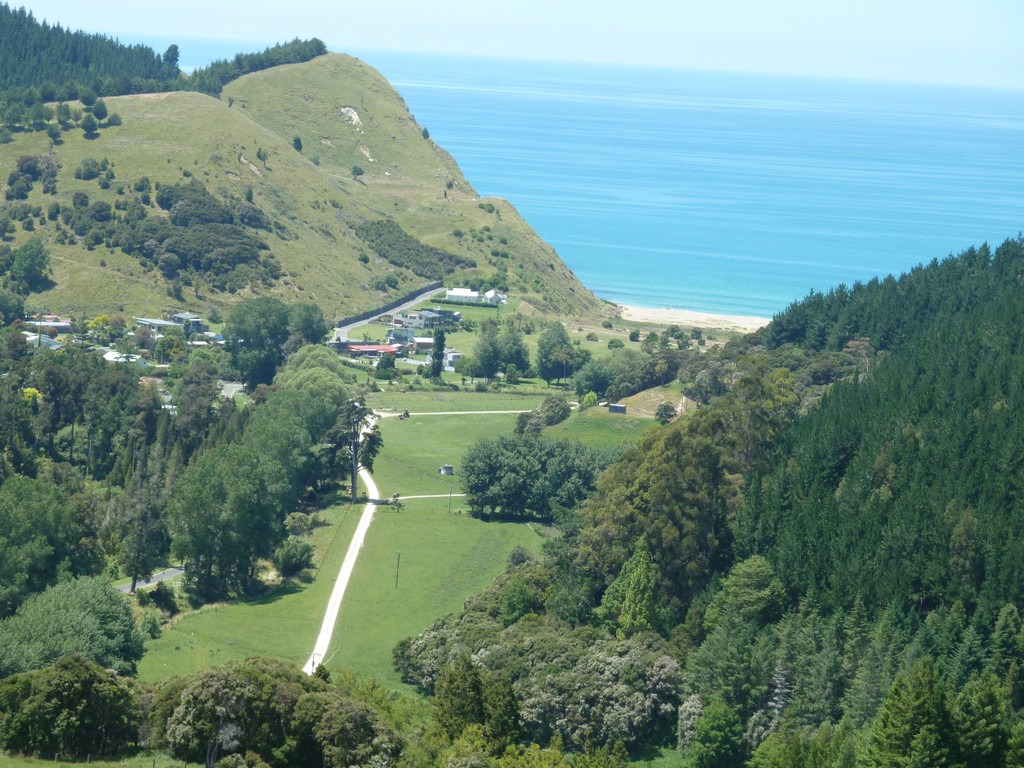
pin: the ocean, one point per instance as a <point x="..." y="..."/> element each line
<point x="718" y="192"/>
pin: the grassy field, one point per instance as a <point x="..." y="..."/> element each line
<point x="137" y="761"/>
<point x="287" y="619"/>
<point x="444" y="559"/>
<point x="599" y="429"/>
<point x="427" y="442"/>
<point x="439" y="402"/>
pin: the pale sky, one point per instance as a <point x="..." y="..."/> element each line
<point x="963" y="42"/>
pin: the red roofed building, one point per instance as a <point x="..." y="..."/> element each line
<point x="372" y="350"/>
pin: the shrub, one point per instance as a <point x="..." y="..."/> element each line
<point x="293" y="557"/>
<point x="163" y="598"/>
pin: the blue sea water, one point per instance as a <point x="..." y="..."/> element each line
<point x="724" y="193"/>
<point x="720" y="192"/>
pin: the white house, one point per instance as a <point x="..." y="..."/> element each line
<point x="451" y="357"/>
<point x="467" y="295"/>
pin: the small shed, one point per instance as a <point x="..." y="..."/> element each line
<point x="446" y="469"/>
<point x="616" y="407"/>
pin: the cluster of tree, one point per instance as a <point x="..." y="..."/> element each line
<point x="213" y="78"/>
<point x="84" y="616"/>
<point x="499" y="349"/>
<point x="28" y="170"/>
<point x="393" y="244"/>
<point x="261" y="711"/>
<point x="529" y="477"/>
<point x="913" y="471"/>
<point x="22" y="271"/>
<point x="68" y="417"/>
<point x="829" y="547"/>
<point x="552" y="410"/>
<point x="557" y="357"/>
<point x="42" y="63"/>
<point x="261" y="332"/>
<point x="230" y="508"/>
<point x="573" y="685"/>
<point x="202" y="240"/>
<point x="626" y="371"/>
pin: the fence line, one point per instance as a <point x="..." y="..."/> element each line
<point x="389" y="306"/>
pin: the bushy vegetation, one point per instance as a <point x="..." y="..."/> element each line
<point x="389" y="241"/>
<point x="826" y="547"/>
<point x="213" y="78"/>
<point x="528" y="477"/>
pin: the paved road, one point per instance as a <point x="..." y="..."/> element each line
<point x="347" y="329"/>
<point x="164" y="575"/>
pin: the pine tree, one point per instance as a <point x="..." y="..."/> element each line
<point x="458" y="697"/>
<point x="914" y="726"/>
<point x="981" y="713"/>
<point x="1015" y="747"/>
<point x="639" y="604"/>
<point x="501" y="715"/>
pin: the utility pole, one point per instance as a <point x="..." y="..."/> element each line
<point x="398" y="566"/>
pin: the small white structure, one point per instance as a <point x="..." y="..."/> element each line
<point x="451" y="357"/>
<point x="113" y="356"/>
<point x="469" y="296"/>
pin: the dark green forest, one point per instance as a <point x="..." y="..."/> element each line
<point x="820" y="567"/>
<point x="41" y="64"/>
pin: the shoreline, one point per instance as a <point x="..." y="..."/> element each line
<point x="744" y="323"/>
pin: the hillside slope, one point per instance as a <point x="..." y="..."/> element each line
<point x="243" y="147"/>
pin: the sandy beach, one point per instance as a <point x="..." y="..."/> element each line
<point x="687" y="317"/>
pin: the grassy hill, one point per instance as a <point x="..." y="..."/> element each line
<point x="242" y="146"/>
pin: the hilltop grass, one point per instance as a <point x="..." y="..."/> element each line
<point x="310" y="197"/>
<point x="445" y="559"/>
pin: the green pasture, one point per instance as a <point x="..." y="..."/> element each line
<point x="445" y="558"/>
<point x="284" y="623"/>
<point x="416" y="447"/>
<point x="597" y="428"/>
<point x="145" y="760"/>
<point x="446" y="400"/>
